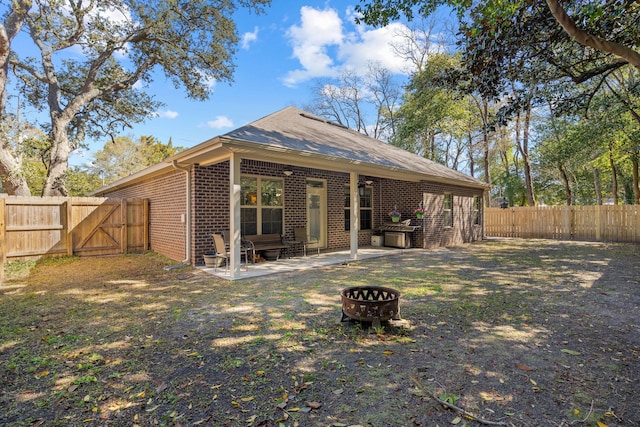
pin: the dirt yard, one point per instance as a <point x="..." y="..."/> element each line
<point x="514" y="332"/>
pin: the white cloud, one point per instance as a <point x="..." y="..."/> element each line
<point x="323" y="48"/>
<point x="318" y="31"/>
<point x="220" y="122"/>
<point x="167" y="114"/>
<point x="248" y="38"/>
<point x="374" y="45"/>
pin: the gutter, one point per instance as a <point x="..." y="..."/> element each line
<point x="187" y="240"/>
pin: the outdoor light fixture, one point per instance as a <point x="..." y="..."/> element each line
<point x="288" y="172"/>
<point x="362" y="186"/>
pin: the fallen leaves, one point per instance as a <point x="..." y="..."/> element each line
<point x="42" y="374"/>
<point x="523" y="367"/>
<point x="313" y="405"/>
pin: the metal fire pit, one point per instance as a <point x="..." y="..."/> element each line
<point x="373" y="304"/>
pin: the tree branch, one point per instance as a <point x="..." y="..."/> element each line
<point x="454" y="407"/>
<point x="591" y="40"/>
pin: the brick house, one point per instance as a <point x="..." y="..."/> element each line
<point x="293" y="169"/>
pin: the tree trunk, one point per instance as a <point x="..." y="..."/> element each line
<point x="58" y="161"/>
<point x="567" y="185"/>
<point x="614" y="176"/>
<point x="471" y="162"/>
<point x="597" y="185"/>
<point x="528" y="177"/>
<point x="10" y="165"/>
<point x="523" y="148"/>
<point x="432" y="146"/>
<point x="12" y="180"/>
<point x="485" y="143"/>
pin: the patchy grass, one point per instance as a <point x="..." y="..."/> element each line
<point x="527" y="333"/>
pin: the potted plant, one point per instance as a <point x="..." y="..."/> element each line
<point x="419" y="212"/>
<point x="395" y="215"/>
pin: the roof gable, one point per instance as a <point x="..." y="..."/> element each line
<point x="294" y="129"/>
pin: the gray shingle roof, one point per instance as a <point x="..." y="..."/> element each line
<point x="294" y="129"/>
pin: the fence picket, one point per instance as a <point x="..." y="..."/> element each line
<point x="38" y="226"/>
<point x="613" y="223"/>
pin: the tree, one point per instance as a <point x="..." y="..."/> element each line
<point x="122" y="157"/>
<point x="433" y="114"/>
<point x="351" y="98"/>
<point x="122" y="43"/>
<point x="567" y="55"/>
<point x="607" y="27"/>
<point x="80" y="182"/>
<point x="503" y="41"/>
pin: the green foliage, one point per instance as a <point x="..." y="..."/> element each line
<point x="511" y="49"/>
<point x="123" y="43"/>
<point x="123" y="156"/>
<point x="35" y="172"/>
<point x="81" y="182"/>
<point x="434" y="115"/>
<point x="499" y="36"/>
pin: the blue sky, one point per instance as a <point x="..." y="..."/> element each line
<point x="280" y="54"/>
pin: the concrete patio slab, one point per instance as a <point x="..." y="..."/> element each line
<point x="285" y="265"/>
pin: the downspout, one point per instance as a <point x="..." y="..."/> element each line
<point x="187" y="240"/>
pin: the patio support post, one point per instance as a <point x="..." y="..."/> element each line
<point x="234" y="213"/>
<point x="355" y="214"/>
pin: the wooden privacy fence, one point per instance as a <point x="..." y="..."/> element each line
<point x="613" y="223"/>
<point x="47" y="226"/>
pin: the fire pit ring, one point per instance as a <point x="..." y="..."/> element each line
<point x="373" y="304"/>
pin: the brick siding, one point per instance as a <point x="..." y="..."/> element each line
<point x="166" y="205"/>
<point x="210" y="210"/>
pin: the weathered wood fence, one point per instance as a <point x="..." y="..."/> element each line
<point x="32" y="227"/>
<point x="613" y="223"/>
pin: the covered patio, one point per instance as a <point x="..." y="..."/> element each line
<point x="293" y="170"/>
<point x="300" y="263"/>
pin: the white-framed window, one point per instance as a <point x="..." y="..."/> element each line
<point x="477" y="208"/>
<point x="366" y="208"/>
<point x="447" y="210"/>
<point x="261" y="205"/>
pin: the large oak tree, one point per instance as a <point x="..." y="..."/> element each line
<point x="564" y="52"/>
<point x="86" y="61"/>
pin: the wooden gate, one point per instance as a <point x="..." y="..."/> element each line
<point x="111" y="227"/>
<point x="32" y="227"/>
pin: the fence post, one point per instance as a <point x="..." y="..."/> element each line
<point x="3" y="238"/>
<point x="598" y="224"/>
<point x="124" y="236"/>
<point x="145" y="215"/>
<point x="67" y="226"/>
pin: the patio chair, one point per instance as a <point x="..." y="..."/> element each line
<point x="301" y="237"/>
<point x="246" y="247"/>
<point x="222" y="251"/>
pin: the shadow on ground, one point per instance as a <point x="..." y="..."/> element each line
<point x="526" y="333"/>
